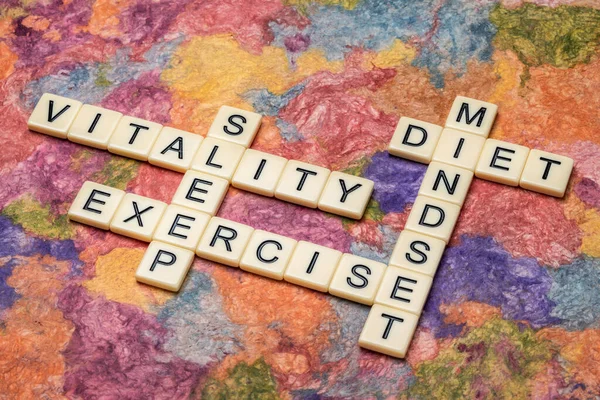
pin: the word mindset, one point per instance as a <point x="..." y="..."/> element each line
<point x="454" y="153"/>
<point x="188" y="227"/>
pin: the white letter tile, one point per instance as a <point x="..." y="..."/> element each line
<point x="433" y="217"/>
<point x="473" y="116"/>
<point x="235" y="125"/>
<point x="224" y="241"/>
<point x="137" y="217"/>
<point x="95" y="205"/>
<point x="312" y="266"/>
<point x="94" y="126"/>
<point x="417" y="252"/>
<point x="164" y="266"/>
<point x="446" y="182"/>
<point x="302" y="183"/>
<point x="259" y="172"/>
<point x="458" y="148"/>
<point x="218" y="157"/>
<point x="181" y="226"/>
<point x="53" y="115"/>
<point x="547" y="173"/>
<point x="267" y="254"/>
<point x="174" y="149"/>
<point x="502" y="162"/>
<point x="403" y="289"/>
<point x="346" y="195"/>
<point x="134" y="138"/>
<point x="415" y="140"/>
<point x="388" y="331"/>
<point x="201" y="192"/>
<point x="357" y="279"/>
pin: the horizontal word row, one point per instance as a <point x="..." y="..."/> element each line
<point x="463" y="143"/>
<point x="223" y="153"/>
<point x="177" y="233"/>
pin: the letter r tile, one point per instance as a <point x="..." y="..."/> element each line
<point x="224" y="241"/>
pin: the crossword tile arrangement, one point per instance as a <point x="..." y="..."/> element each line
<point x="188" y="226"/>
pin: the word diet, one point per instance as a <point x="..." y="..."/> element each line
<point x="189" y="227"/>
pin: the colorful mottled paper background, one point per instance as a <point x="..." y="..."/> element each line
<point x="515" y="307"/>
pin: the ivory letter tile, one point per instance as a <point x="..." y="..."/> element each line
<point x="94" y="126"/>
<point x="404" y="289"/>
<point x="473" y="116"/>
<point x="201" y="192"/>
<point x="164" y="266"/>
<point x="312" y="266"/>
<point x="502" y="162"/>
<point x="181" y="226"/>
<point x="433" y="217"/>
<point x="224" y="241"/>
<point x="95" y="205"/>
<point x="259" y="172"/>
<point x="458" y="148"/>
<point x="388" y="331"/>
<point x="346" y="195"/>
<point x="134" y="138"/>
<point x="218" y="157"/>
<point x="53" y="115"/>
<point x="302" y="183"/>
<point x="446" y="182"/>
<point x="547" y="173"/>
<point x="174" y="149"/>
<point x="137" y="217"/>
<point x="415" y="140"/>
<point x="267" y="254"/>
<point x="235" y="125"/>
<point x="417" y="252"/>
<point x="357" y="279"/>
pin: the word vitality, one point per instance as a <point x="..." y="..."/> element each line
<point x="188" y="226"/>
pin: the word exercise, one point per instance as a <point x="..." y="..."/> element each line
<point x="189" y="227"/>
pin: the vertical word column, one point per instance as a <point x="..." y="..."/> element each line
<point x="452" y="154"/>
